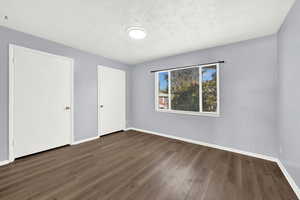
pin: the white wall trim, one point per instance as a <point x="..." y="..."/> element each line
<point x="85" y="140"/>
<point x="11" y="107"/>
<point x="289" y="178"/>
<point x="4" y="162"/>
<point x="265" y="157"/>
<point x="261" y="156"/>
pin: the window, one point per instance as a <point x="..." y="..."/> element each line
<point x="190" y="90"/>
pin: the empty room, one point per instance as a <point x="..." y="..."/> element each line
<point x="149" y="100"/>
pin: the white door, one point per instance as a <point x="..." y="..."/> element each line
<point x="111" y="100"/>
<point x="41" y="101"/>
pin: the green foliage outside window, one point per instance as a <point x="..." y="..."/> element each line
<point x="185" y="89"/>
<point x="209" y="89"/>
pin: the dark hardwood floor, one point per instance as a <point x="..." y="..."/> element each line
<point x="136" y="166"/>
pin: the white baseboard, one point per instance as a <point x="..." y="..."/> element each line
<point x="289" y="178"/>
<point x="4" y="162"/>
<point x="85" y="140"/>
<point x="265" y="157"/>
<point x="261" y="156"/>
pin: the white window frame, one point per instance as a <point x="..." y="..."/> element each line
<point x="201" y="113"/>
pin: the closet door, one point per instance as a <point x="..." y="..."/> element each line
<point x="111" y="100"/>
<point x="41" y="101"/>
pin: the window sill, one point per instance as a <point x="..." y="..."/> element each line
<point x="190" y="113"/>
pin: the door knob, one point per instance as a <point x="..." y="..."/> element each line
<point x="67" y="108"/>
<point x="101" y="106"/>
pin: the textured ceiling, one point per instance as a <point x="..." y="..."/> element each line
<point x="173" y="26"/>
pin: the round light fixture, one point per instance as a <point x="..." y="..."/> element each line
<point x="136" y="33"/>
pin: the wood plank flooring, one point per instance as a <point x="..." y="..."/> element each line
<point x="137" y="166"/>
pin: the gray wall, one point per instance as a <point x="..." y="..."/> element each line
<point x="85" y="94"/>
<point x="289" y="70"/>
<point x="248" y="98"/>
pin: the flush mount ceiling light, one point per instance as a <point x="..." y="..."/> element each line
<point x="136" y="33"/>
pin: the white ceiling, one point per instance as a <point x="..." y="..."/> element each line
<point x="173" y="26"/>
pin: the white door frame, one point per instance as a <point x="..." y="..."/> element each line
<point x="98" y="106"/>
<point x="11" y="94"/>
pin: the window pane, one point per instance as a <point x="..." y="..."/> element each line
<point x="163" y="90"/>
<point x="209" y="89"/>
<point x="185" y="89"/>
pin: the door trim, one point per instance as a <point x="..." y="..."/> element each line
<point x="98" y="98"/>
<point x="11" y="95"/>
